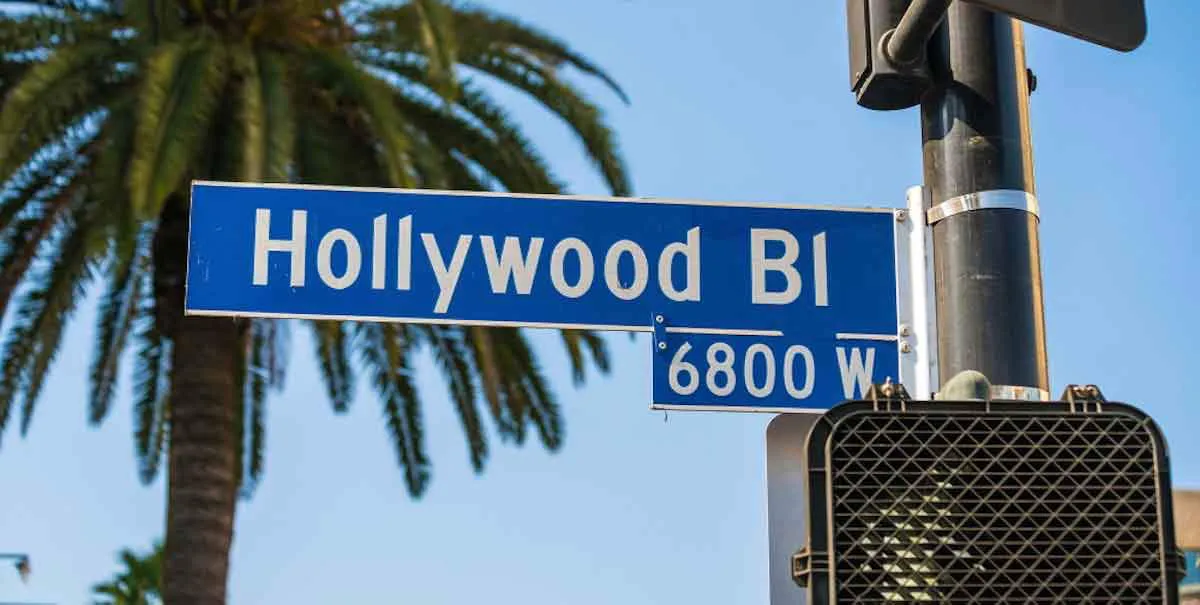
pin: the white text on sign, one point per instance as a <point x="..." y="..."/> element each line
<point x="763" y="368"/>
<point x="514" y="264"/>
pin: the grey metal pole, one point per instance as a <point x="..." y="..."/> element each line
<point x="978" y="166"/>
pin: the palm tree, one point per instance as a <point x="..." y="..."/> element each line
<point x="139" y="583"/>
<point x="111" y="107"/>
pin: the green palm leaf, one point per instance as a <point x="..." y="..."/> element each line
<point x="152" y="388"/>
<point x="280" y="126"/>
<point x="576" y="341"/>
<point x="450" y="353"/>
<point x="117" y="312"/>
<point x="328" y="152"/>
<point x="479" y="129"/>
<point x="333" y="356"/>
<point x="486" y="359"/>
<point x="436" y="27"/>
<point x="180" y="91"/>
<point x="259" y="378"/>
<point x="35" y="338"/>
<point x="526" y="385"/>
<point x="384" y="350"/>
<point x="514" y="170"/>
<point x="345" y="80"/>
<point x="23" y="239"/>
<point x="36" y="183"/>
<point x="584" y="117"/>
<point x="484" y="32"/>
<point x="48" y="104"/>
<point x="251" y="118"/>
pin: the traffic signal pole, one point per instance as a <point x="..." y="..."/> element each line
<point x="978" y="172"/>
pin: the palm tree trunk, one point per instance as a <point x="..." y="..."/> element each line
<point x="202" y="487"/>
<point x="202" y="447"/>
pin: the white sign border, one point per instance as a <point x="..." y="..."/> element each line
<point x="563" y="197"/>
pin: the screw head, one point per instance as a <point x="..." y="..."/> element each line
<point x="901" y="215"/>
<point x="662" y="346"/>
<point x="658" y="318"/>
<point x="905" y="347"/>
<point x="905" y="330"/>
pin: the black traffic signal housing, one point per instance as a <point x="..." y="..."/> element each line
<point x="889" y="68"/>
<point x="878" y="82"/>
<point x="988" y="502"/>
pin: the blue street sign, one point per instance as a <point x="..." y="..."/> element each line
<point x="787" y="372"/>
<point x="809" y="292"/>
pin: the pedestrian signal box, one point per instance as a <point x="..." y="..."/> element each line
<point x="974" y="502"/>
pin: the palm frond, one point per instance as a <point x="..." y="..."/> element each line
<point x="157" y="19"/>
<point x="384" y="350"/>
<point x="160" y="72"/>
<point x="280" y="123"/>
<point x="449" y="351"/>
<point x="67" y="9"/>
<point x="38" y="181"/>
<point x="478" y="31"/>
<point x="251" y="117"/>
<point x="459" y="175"/>
<point x="35" y="338"/>
<point x="242" y="370"/>
<point x="504" y="163"/>
<point x="279" y="342"/>
<point x="107" y="182"/>
<point x="575" y="342"/>
<point x="526" y="384"/>
<point x="25" y="237"/>
<point x="599" y="350"/>
<point x="115" y="319"/>
<point x="509" y="136"/>
<point x="268" y="340"/>
<point x="545" y="412"/>
<point x="257" y="375"/>
<point x="481" y="129"/>
<point x="49" y="103"/>
<point x="435" y="26"/>
<point x="334" y="359"/>
<point x="152" y="388"/>
<point x="327" y="152"/>
<point x="256" y="443"/>
<point x="484" y="357"/>
<point x="581" y="115"/>
<point x="484" y="31"/>
<point x="21" y="34"/>
<point x="182" y="87"/>
<point x="335" y="71"/>
<point x="430" y="162"/>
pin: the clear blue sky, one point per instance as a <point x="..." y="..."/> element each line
<point x="728" y="102"/>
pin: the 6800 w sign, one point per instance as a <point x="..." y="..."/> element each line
<point x="721" y="376"/>
<point x="712" y="370"/>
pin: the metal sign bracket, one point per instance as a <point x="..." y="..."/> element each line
<point x="659" y="323"/>
<point x="915" y="304"/>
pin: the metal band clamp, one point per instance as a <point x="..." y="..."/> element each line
<point x="1009" y="199"/>
<point x="1017" y="393"/>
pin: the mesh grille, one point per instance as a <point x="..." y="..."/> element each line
<point x="1029" y="509"/>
